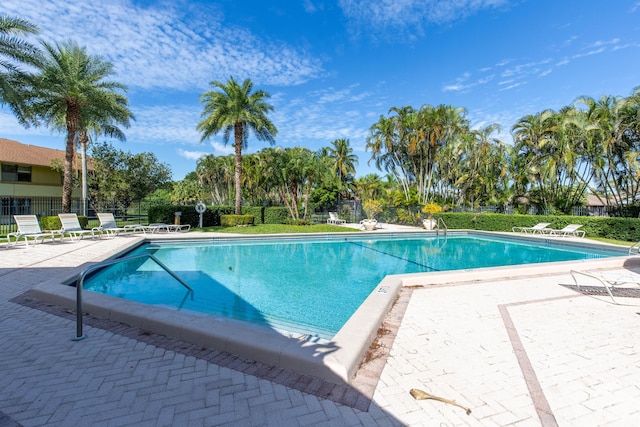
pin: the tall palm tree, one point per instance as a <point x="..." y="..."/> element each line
<point x="70" y="87"/>
<point x="344" y="161"/>
<point x="14" y="51"/>
<point x="239" y="109"/>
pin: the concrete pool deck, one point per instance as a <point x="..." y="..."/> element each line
<point x="517" y="351"/>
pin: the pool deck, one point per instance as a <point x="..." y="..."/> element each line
<point x="517" y="351"/>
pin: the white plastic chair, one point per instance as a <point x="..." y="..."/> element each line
<point x="609" y="280"/>
<point x="71" y="226"/>
<point x="540" y="228"/>
<point x="333" y="219"/>
<point x="29" y="228"/>
<point x="569" y="230"/>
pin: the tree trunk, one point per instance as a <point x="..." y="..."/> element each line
<point x="84" y="139"/>
<point x="238" y="142"/>
<point x="73" y="119"/>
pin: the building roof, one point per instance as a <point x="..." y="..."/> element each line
<point x="593" y="200"/>
<point x="15" y="152"/>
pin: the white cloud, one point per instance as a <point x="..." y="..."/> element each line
<point x="167" y="47"/>
<point x="221" y="149"/>
<point x="191" y="155"/>
<point x="173" y="124"/>
<point x="408" y="17"/>
<point x="589" y="53"/>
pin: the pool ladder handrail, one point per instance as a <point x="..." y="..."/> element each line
<point x="80" y="281"/>
<point x="440" y="225"/>
<point x="635" y="247"/>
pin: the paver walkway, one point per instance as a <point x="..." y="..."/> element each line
<point x="522" y="351"/>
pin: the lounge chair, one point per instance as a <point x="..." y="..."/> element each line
<point x="333" y="219"/>
<point x="540" y="228"/>
<point x="72" y="227"/>
<point x="161" y="226"/>
<point x="569" y="230"/>
<point x="612" y="282"/>
<point x="108" y="225"/>
<point x="29" y="228"/>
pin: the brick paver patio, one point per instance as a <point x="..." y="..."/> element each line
<point x="521" y="351"/>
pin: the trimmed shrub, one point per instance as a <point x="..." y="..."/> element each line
<point x="267" y="215"/>
<point x="236" y="220"/>
<point x="166" y="214"/>
<point x="299" y="222"/>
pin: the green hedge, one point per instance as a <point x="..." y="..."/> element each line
<point x="166" y="214"/>
<point x="53" y="222"/>
<point x="236" y="220"/>
<point x="211" y="217"/>
<point x="267" y="215"/>
<point x="627" y="229"/>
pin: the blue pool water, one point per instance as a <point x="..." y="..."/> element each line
<point x="311" y="286"/>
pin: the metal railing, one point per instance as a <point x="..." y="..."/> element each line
<point x="80" y="281"/>
<point x="440" y="225"/>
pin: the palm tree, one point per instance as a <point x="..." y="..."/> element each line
<point x="70" y="88"/>
<point x="239" y="109"/>
<point x="344" y="161"/>
<point x="13" y="52"/>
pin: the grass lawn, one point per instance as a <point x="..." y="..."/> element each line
<point x="612" y="241"/>
<point x="279" y="228"/>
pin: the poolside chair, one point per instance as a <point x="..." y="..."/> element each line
<point x="540" y="228"/>
<point x="29" y="228"/>
<point x="163" y="227"/>
<point x="72" y="227"/>
<point x="569" y="230"/>
<point x="333" y="219"/>
<point x="612" y="282"/>
<point x="108" y="225"/>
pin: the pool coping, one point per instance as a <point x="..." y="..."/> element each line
<point x="336" y="361"/>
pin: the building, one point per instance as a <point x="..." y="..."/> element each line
<point x="29" y="184"/>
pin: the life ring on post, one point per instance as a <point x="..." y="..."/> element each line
<point x="200" y="208"/>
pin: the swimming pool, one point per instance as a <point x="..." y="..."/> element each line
<point x="309" y="286"/>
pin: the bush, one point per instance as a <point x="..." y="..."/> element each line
<point x="166" y="214"/>
<point x="267" y="215"/>
<point x="236" y="220"/>
<point x="53" y="222"/>
<point x="298" y="222"/>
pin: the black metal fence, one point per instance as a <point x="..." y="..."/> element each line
<point x="134" y="212"/>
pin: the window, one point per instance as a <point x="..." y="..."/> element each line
<point x="16" y="173"/>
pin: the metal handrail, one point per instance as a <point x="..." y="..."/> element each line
<point x="80" y="281"/>
<point x="635" y="246"/>
<point x="439" y="227"/>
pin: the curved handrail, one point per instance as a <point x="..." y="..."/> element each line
<point x="94" y="267"/>
<point x="439" y="227"/>
<point x="635" y="247"/>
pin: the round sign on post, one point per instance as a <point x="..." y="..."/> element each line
<point x="200" y="208"/>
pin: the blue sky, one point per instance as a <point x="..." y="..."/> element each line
<point x="333" y="67"/>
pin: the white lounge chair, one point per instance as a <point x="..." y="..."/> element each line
<point x="539" y="228"/>
<point x="569" y="230"/>
<point x="161" y="226"/>
<point x="613" y="282"/>
<point x="72" y="227"/>
<point x="108" y="225"/>
<point x="29" y="228"/>
<point x="333" y="219"/>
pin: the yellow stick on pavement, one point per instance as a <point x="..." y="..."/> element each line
<point x="421" y="395"/>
